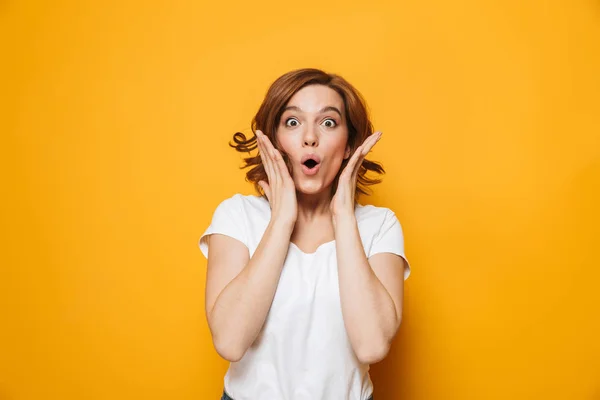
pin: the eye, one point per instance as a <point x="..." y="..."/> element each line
<point x="330" y="123"/>
<point x="289" y="121"/>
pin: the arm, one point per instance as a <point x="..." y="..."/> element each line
<point x="371" y="292"/>
<point x="240" y="290"/>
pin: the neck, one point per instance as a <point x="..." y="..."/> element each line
<point x="311" y="206"/>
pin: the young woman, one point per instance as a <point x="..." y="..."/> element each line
<point x="304" y="285"/>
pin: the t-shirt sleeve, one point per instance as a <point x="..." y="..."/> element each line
<point x="228" y="219"/>
<point x="390" y="239"/>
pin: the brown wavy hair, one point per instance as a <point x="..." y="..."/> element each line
<point x="267" y="119"/>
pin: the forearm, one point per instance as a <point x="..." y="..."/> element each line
<point x="369" y="312"/>
<point x="241" y="308"/>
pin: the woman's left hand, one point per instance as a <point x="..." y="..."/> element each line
<point x="342" y="203"/>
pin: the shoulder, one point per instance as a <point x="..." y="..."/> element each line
<point x="373" y="215"/>
<point x="252" y="200"/>
<point x="372" y="219"/>
<point x="249" y="216"/>
<point x="241" y="201"/>
<point x="383" y="232"/>
<point x="253" y="204"/>
<point x="378" y="222"/>
<point x="249" y="208"/>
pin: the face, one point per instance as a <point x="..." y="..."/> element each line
<point x="313" y="126"/>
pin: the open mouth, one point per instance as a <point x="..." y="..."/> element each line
<point x="310" y="163"/>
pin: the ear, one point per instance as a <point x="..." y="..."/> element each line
<point x="347" y="153"/>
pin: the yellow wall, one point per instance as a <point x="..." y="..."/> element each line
<point x="115" y="118"/>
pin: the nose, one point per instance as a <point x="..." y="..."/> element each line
<point x="310" y="137"/>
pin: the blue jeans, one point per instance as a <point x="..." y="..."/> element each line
<point x="226" y="397"/>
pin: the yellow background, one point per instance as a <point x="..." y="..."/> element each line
<point x="115" y="118"/>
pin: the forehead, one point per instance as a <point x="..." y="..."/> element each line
<point x="313" y="98"/>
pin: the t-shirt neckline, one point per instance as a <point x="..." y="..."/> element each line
<point x="322" y="245"/>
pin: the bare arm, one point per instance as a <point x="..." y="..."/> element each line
<point x="240" y="289"/>
<point x="371" y="292"/>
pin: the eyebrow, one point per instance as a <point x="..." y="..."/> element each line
<point x="324" y="109"/>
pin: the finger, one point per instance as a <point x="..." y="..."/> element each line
<point x="347" y="173"/>
<point x="261" y="152"/>
<point x="269" y="147"/>
<point x="264" y="155"/>
<point x="367" y="146"/>
<point x="265" y="187"/>
<point x="352" y="163"/>
<point x="359" y="163"/>
<point x="268" y="157"/>
<point x="271" y="152"/>
<point x="283" y="169"/>
<point x="370" y="142"/>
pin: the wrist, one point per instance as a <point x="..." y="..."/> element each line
<point x="282" y="224"/>
<point x="344" y="219"/>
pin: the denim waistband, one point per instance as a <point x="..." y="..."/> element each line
<point x="226" y="397"/>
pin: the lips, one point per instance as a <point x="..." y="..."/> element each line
<point x="308" y="157"/>
<point x="310" y="163"/>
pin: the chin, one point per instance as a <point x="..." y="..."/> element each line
<point x="305" y="187"/>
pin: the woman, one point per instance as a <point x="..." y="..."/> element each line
<point x="304" y="285"/>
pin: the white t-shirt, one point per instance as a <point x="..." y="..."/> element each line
<point x="303" y="351"/>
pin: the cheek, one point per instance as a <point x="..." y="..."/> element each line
<point x="339" y="148"/>
<point x="284" y="144"/>
<point x="286" y="147"/>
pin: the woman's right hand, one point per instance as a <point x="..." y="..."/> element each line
<point x="280" y="190"/>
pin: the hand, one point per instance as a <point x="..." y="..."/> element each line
<point x="280" y="190"/>
<point x="342" y="203"/>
